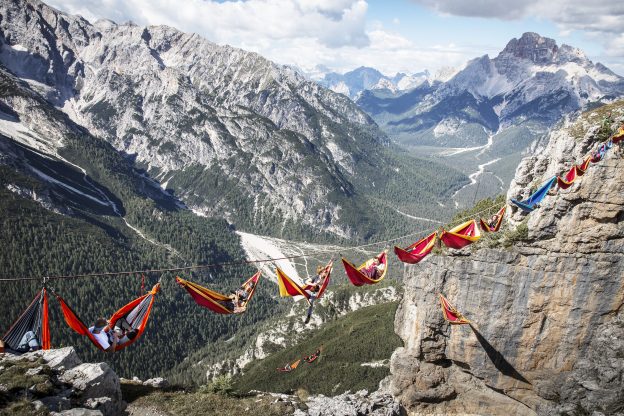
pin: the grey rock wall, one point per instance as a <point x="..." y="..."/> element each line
<point x="546" y="334"/>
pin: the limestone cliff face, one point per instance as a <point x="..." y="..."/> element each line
<point x="548" y="324"/>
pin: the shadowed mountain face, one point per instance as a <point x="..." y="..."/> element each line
<point x="232" y="134"/>
<point x="483" y="118"/>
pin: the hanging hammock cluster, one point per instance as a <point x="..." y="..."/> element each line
<point x="31" y="330"/>
<point x="308" y="359"/>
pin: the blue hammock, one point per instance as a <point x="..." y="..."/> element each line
<point x="530" y="204"/>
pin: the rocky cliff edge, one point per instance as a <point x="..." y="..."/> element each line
<point x="547" y="333"/>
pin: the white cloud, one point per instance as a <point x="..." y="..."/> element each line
<point x="333" y="23"/>
<point x="306" y="33"/>
<point x="339" y="33"/>
<point x="480" y="8"/>
<point x="600" y="20"/>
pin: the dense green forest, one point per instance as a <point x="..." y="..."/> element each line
<point x="39" y="242"/>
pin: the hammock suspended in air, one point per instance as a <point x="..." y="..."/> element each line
<point x="568" y="179"/>
<point x="618" y="136"/>
<point x="488" y="228"/>
<point x="537" y="197"/>
<point x="34" y="319"/>
<point x="135" y="314"/>
<point x="288" y="287"/>
<point x="216" y="301"/>
<point x="359" y="275"/>
<point x="452" y="315"/>
<point x="289" y="367"/>
<point x="461" y="236"/>
<point x="417" y="251"/>
<point x="582" y="168"/>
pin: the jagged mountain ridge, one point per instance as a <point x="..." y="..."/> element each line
<point x="230" y="132"/>
<point x="483" y="118"/>
<point x="71" y="204"/>
<point x="353" y="83"/>
<point x="532" y="79"/>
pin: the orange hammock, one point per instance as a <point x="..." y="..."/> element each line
<point x="462" y="235"/>
<point x="135" y="313"/>
<point x="288" y="287"/>
<point x="34" y="319"/>
<point x="452" y="315"/>
<point x="417" y="251"/>
<point x="358" y="275"/>
<point x="289" y="367"/>
<point x="568" y="179"/>
<point x="216" y="301"/>
<point x="582" y="168"/>
<point x="487" y="228"/>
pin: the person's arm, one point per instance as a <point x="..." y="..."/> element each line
<point x="111" y="347"/>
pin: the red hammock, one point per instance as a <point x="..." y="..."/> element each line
<point x="485" y="226"/>
<point x="461" y="236"/>
<point x="568" y="179"/>
<point x="216" y="301"/>
<point x="136" y="313"/>
<point x="358" y="278"/>
<point x="34" y="318"/>
<point x="289" y="367"/>
<point x="452" y="315"/>
<point x="417" y="251"/>
<point x="325" y="275"/>
<point x="288" y="287"/>
<point x="311" y="358"/>
<point x="582" y="168"/>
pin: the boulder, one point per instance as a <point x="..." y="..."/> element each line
<point x="57" y="359"/>
<point x="98" y="385"/>
<point x="157" y="382"/>
<point x="347" y="404"/>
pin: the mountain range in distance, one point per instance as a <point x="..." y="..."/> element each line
<point x="481" y="117"/>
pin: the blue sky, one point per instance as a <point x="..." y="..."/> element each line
<point x="390" y="35"/>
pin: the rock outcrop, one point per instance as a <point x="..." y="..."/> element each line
<point x="352" y="404"/>
<point x="546" y="334"/>
<point x="58" y="381"/>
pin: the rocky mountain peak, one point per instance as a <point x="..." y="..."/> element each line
<point x="533" y="47"/>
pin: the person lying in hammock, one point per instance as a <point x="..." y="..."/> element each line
<point x="239" y="298"/>
<point x="28" y="343"/>
<point x="314" y="284"/>
<point x="110" y="339"/>
<point x="374" y="267"/>
<point x="493" y="221"/>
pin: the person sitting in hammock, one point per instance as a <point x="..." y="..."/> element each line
<point x="374" y="267"/>
<point x="239" y="298"/>
<point x="28" y="343"/>
<point x="314" y="285"/>
<point x="493" y="221"/>
<point x="109" y="339"/>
